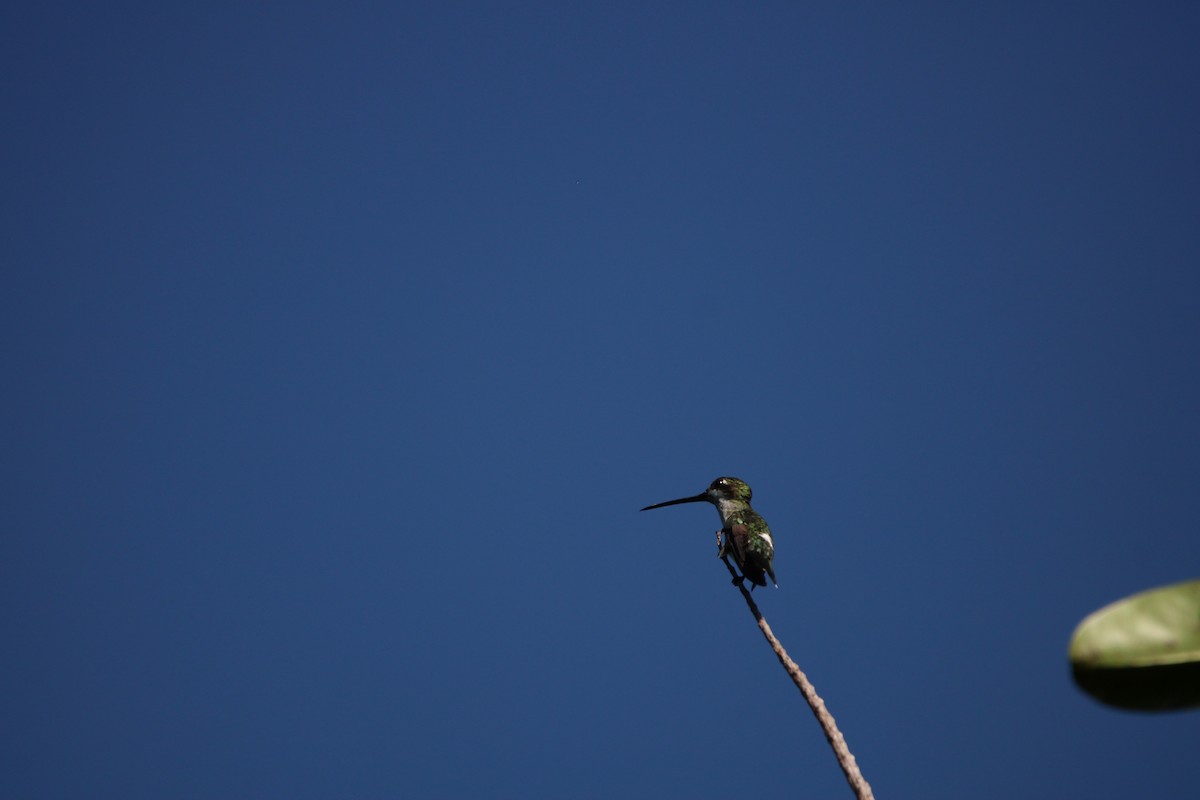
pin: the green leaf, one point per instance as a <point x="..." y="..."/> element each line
<point x="1143" y="652"/>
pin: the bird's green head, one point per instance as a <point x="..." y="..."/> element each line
<point x="729" y="489"/>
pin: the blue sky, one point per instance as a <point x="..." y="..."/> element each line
<point x="344" y="342"/>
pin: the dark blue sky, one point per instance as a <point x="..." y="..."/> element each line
<point x="344" y="341"/>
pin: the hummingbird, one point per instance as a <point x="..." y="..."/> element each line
<point x="743" y="535"/>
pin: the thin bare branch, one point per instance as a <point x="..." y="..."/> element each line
<point x="845" y="758"/>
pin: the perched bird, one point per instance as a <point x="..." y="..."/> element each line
<point x="743" y="535"/>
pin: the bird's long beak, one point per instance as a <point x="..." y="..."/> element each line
<point x="700" y="498"/>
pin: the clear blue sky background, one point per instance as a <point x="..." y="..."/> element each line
<point x="344" y="341"/>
